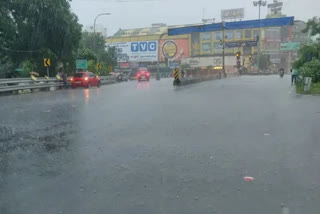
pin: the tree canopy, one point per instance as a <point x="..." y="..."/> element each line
<point x="308" y="63"/>
<point x="100" y="54"/>
<point x="313" y="26"/>
<point x="34" y="29"/>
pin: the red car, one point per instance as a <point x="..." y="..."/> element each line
<point x="143" y="74"/>
<point x="85" y="79"/>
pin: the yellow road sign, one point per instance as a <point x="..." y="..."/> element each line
<point x="176" y="73"/>
<point x="99" y="66"/>
<point x="46" y="62"/>
<point x="110" y="68"/>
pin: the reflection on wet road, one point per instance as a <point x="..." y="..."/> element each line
<point x="151" y="148"/>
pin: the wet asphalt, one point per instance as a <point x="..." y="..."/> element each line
<point x="142" y="148"/>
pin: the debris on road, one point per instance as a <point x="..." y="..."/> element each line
<point x="247" y="178"/>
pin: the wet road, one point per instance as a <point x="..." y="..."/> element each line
<point x="152" y="148"/>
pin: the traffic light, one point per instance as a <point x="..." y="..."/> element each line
<point x="250" y="57"/>
<point x="238" y="55"/>
<point x="221" y="42"/>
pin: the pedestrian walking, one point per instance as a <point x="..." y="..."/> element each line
<point x="294" y="73"/>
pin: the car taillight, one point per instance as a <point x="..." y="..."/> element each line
<point x="138" y="75"/>
<point x="86" y="78"/>
<point x="71" y="79"/>
<point x="148" y="74"/>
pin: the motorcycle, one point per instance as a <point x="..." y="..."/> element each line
<point x="281" y="73"/>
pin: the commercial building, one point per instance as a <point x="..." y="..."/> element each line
<point x="274" y="39"/>
<point x="139" y="47"/>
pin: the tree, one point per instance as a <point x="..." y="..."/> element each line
<point x="87" y="41"/>
<point x="34" y="29"/>
<point x="85" y="53"/>
<point x="313" y="26"/>
<point x="105" y="55"/>
<point x="308" y="64"/>
<point x="311" y="69"/>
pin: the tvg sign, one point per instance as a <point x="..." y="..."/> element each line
<point x="143" y="46"/>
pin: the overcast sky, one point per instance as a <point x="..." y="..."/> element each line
<point x="127" y="15"/>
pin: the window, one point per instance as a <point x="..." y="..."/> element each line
<point x="217" y="47"/>
<point x="228" y="50"/>
<point x="206" y="36"/>
<point x="206" y="47"/>
<point x="91" y="75"/>
<point x="238" y="34"/>
<point x="217" y="35"/>
<point x="256" y="33"/>
<point x="229" y="35"/>
<point x="247" y="34"/>
<point x="272" y="34"/>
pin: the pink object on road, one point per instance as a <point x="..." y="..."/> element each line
<point x="249" y="178"/>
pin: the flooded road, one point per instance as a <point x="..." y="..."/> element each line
<point x="152" y="148"/>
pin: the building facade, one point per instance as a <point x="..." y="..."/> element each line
<point x="277" y="39"/>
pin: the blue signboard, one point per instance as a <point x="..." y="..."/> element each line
<point x="143" y="46"/>
<point x="273" y="22"/>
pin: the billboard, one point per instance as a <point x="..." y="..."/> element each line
<point x="182" y="49"/>
<point x="216" y="61"/>
<point x="289" y="46"/>
<point x="146" y="51"/>
<point x="195" y="62"/>
<point x="232" y="14"/>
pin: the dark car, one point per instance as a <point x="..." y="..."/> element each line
<point x="85" y="79"/>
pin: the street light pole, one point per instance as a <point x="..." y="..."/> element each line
<point x="260" y="4"/>
<point x="158" y="68"/>
<point x="94" y="29"/>
<point x="223" y="49"/>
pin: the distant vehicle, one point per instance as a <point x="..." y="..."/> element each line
<point x="133" y="76"/>
<point x="281" y="72"/>
<point x="120" y="76"/>
<point x="143" y="74"/>
<point x="85" y="79"/>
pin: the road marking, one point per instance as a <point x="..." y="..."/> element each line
<point x="266" y="134"/>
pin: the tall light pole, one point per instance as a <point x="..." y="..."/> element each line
<point x="94" y="29"/>
<point x="223" y="48"/>
<point x="260" y="4"/>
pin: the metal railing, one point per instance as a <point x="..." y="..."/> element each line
<point x="21" y="84"/>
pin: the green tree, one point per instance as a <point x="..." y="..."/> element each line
<point x="87" y="42"/>
<point x="27" y="67"/>
<point x="308" y="64"/>
<point x="105" y="55"/>
<point x="85" y="53"/>
<point x="313" y="26"/>
<point x="311" y="69"/>
<point x="34" y="29"/>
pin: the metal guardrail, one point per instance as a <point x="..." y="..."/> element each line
<point x="20" y="84"/>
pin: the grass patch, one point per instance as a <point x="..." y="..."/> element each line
<point x="315" y="89"/>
